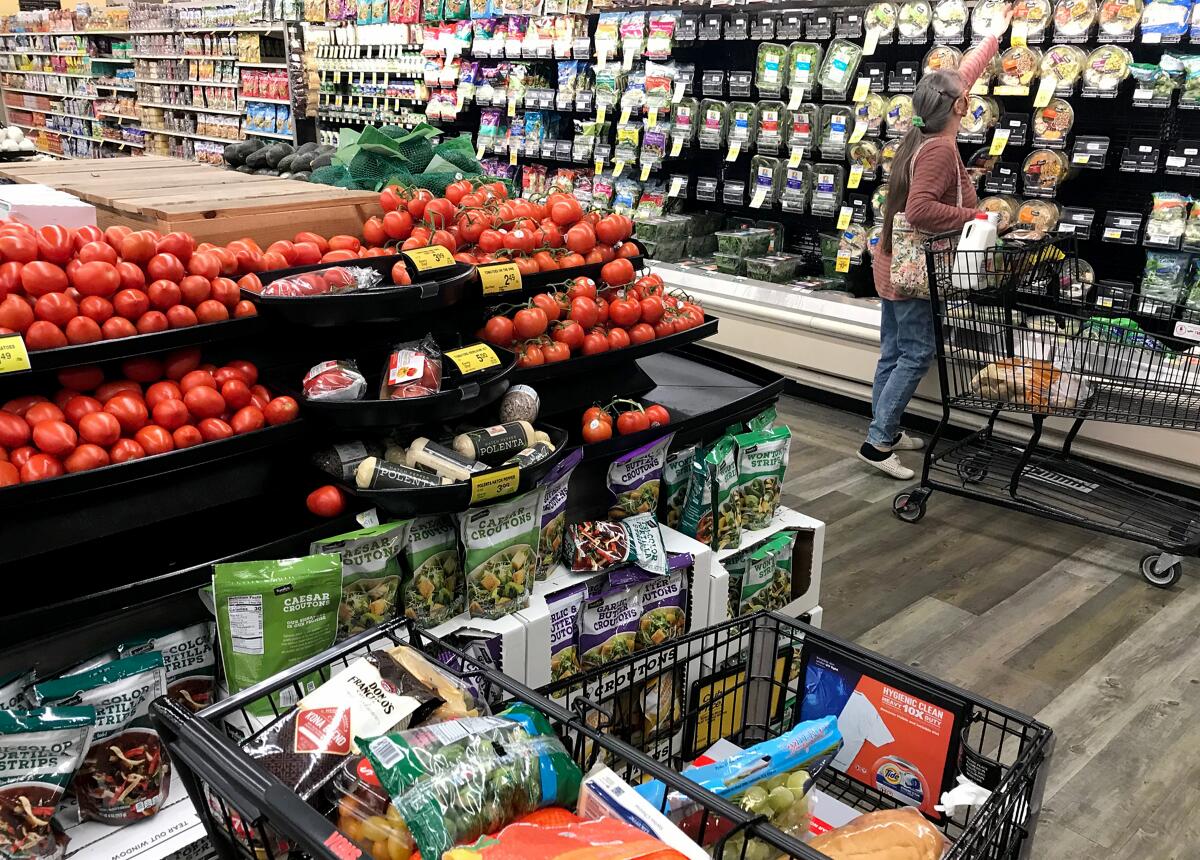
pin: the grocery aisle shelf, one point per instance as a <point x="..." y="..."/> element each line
<point x="120" y="87"/>
<point x="183" y="57"/>
<point x="117" y="115"/>
<point x="279" y="65"/>
<point x="42" y="54"/>
<point x="274" y="134"/>
<point x="193" y="108"/>
<point x="50" y="74"/>
<point x="48" y="152"/>
<point x="78" y="136"/>
<point x="247" y="98"/>
<point x="50" y="112"/>
<point x="185" y="83"/>
<point x="193" y="135"/>
<point x="8" y="89"/>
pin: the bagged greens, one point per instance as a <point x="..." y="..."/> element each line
<point x="39" y="750"/>
<point x="289" y="605"/>
<point x="433" y="571"/>
<point x="370" y="575"/>
<point x="771" y="72"/>
<point x="500" y="552"/>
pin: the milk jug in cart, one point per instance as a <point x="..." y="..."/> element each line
<point x="970" y="262"/>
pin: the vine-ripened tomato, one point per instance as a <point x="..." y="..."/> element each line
<point x="520" y="240"/>
<point x="664" y="328"/>
<point x="531" y="356"/>
<point x="584" y="311"/>
<point x="491" y="241"/>
<point x="417" y="203"/>
<point x="601" y="310"/>
<point x="633" y="421"/>
<point x="554" y="351"/>
<point x="569" y="332"/>
<point x="609" y="229"/>
<point x="624" y="312"/>
<point x="618" y="338"/>
<point x="597" y="430"/>
<point x="530" y="323"/>
<point x="581" y="238"/>
<point x="641" y="333"/>
<point x="627" y="250"/>
<point x="499" y="331"/>
<point x="652" y="309"/>
<point x="545" y="261"/>
<point x="582" y="286"/>
<point x="548" y="304"/>
<point x="595" y="342"/>
<point x="658" y="415"/>
<point x="617" y="272"/>
<point x="326" y="501"/>
<point x="596" y="413"/>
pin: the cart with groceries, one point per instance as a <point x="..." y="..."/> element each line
<point x="734" y="741"/>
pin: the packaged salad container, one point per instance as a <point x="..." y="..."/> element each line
<point x="748" y="242"/>
<point x="772" y="122"/>
<point x="866" y="153"/>
<point x="873" y="239"/>
<point x="983" y="112"/>
<point x="804" y="60"/>
<point x="1054" y="121"/>
<point x="1064" y="63"/>
<point x="980" y="163"/>
<point x="1005" y="206"/>
<point x="914" y="19"/>
<point x="1044" y="169"/>
<point x="685" y="118"/>
<point x="802" y="124"/>
<point x="667" y="250"/>
<point x="870" y="111"/>
<point x="941" y="58"/>
<point x="1170" y="18"/>
<point x="878" y="200"/>
<point x="1074" y="18"/>
<point x="899" y="115"/>
<point x="854" y="240"/>
<point x="881" y="17"/>
<point x="776" y="268"/>
<point x="765" y="175"/>
<point x="840" y="64"/>
<point x="1019" y="66"/>
<point x="743" y="122"/>
<point x="1151" y="81"/>
<point x="771" y="68"/>
<point x="1036" y="15"/>
<point x="1106" y="67"/>
<point x="701" y="246"/>
<point x="797" y="184"/>
<point x="950" y="20"/>
<point x="1120" y="17"/>
<point x="835" y="126"/>
<point x="714" y="123"/>
<point x="729" y="264"/>
<point x="989" y="18"/>
<point x="1191" y="79"/>
<point x="828" y="182"/>
<point x="888" y="154"/>
<point x="1041" y="215"/>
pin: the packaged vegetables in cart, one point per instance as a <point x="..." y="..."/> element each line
<point x="599" y="545"/>
<point x="914" y="19"/>
<point x="433" y="584"/>
<point x="500" y="550"/>
<point x="370" y="575"/>
<point x="950" y="20"/>
<point x="804" y="60"/>
<point x="771" y="68"/>
<point x="840" y="64"/>
<point x="124" y="776"/>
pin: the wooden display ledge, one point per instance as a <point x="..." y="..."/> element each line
<point x="213" y="204"/>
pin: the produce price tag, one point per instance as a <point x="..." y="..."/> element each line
<point x="735" y="149"/>
<point x="796" y="97"/>
<point x="859" y="131"/>
<point x="869" y="44"/>
<point x="1151" y="38"/>
<point x="473" y="358"/>
<point x="861" y="88"/>
<point x="980" y="87"/>
<point x="676" y="146"/>
<point x="1080" y="158"/>
<point x="433" y="257"/>
<point x="796" y="157"/>
<point x="495" y="484"/>
<point x="628" y="60"/>
<point x="512" y="107"/>
<point x="599" y="165"/>
<point x="1045" y="91"/>
<point x="500" y="278"/>
<point x="843" y="219"/>
<point x="843" y="262"/>
<point x="999" y="141"/>
<point x="479" y="150"/>
<point x="618" y="168"/>
<point x="856" y="174"/>
<point x="645" y="174"/>
<point x="512" y="157"/>
<point x="625" y="112"/>
<point x="13" y="355"/>
<point x="1019" y="37"/>
<point x="651" y="117"/>
<point x="600" y="113"/>
<point x="601" y="55"/>
<point x="680" y="88"/>
<point x="677" y="183"/>
<point x="760" y="195"/>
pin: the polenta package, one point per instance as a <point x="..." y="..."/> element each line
<point x="634" y="479"/>
<point x="762" y="458"/>
<point x="677" y="471"/>
<point x="500" y="551"/>
<point x="370" y="575"/>
<point x="554" y="513"/>
<point x="432" y="591"/>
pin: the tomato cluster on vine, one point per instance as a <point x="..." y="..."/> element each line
<point x="477" y="223"/>
<point x="577" y="317"/>
<point x="628" y="416"/>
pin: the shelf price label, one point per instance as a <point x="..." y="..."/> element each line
<point x="625" y="112"/>
<point x="601" y="112"/>
<point x="677" y="183"/>
<point x="844" y="215"/>
<point x="999" y="141"/>
<point x="512" y="157"/>
<point x="859" y="131"/>
<point x="1020" y="34"/>
<point x="618" y="168"/>
<point x="13" y="355"/>
<point x="760" y="195"/>
<point x="479" y="150"/>
<point x="861" y="88"/>
<point x="1045" y="91"/>
<point x="512" y="107"/>
<point x="796" y="97"/>
<point x="473" y="358"/>
<point x="676" y="146"/>
<point x="599" y="166"/>
<point x="651" y="117"/>
<point x="645" y="174"/>
<point x="842" y="264"/>
<point x="680" y="89"/>
<point x="735" y="149"/>
<point x="856" y="174"/>
<point x="499" y="278"/>
<point x="428" y="259"/>
<point x="493" y="485"/>
<point x="797" y="155"/>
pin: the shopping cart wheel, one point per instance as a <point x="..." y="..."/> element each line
<point x="909" y="507"/>
<point x="973" y="470"/>
<point x="1160" y="578"/>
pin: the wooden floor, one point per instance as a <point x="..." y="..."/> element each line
<point x="1045" y="618"/>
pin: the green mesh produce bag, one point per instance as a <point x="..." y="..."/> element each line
<point x="376" y="157"/>
<point x="459" y="152"/>
<point x="333" y="174"/>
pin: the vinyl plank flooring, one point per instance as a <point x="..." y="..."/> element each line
<point x="1043" y="617"/>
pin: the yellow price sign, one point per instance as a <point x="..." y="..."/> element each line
<point x="599" y="166"/>
<point x="512" y="157"/>
<point x="493" y="485"/>
<point x="618" y="167"/>
<point x="13" y="355"/>
<point x="796" y="97"/>
<point x="861" y="88"/>
<point x="842" y="264"/>
<point x="856" y="175"/>
<point x="625" y="114"/>
<point x="1045" y="91"/>
<point x="427" y="259"/>
<point x="676" y="146"/>
<point x="735" y="149"/>
<point x="479" y="150"/>
<point x="473" y="358"/>
<point x="499" y="278"/>
<point x="1020" y="34"/>
<point x="859" y="131"/>
<point x="512" y="107"/>
<point x="601" y="112"/>
<point x="651" y="117"/>
<point x="843" y="219"/>
<point x="999" y="141"/>
<point x="797" y="155"/>
<point x="645" y="174"/>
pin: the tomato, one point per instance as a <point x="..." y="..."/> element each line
<point x="550" y="235"/>
<point x="165" y="267"/>
<point x="326" y="501"/>
<point x="618" y="338"/>
<point x="181" y="316"/>
<point x="203" y="402"/>
<point x="596" y="430"/>
<point x="181" y="362"/>
<point x="664" y="327"/>
<point x="624" y="312"/>
<point x="526" y="266"/>
<point x="180" y="245"/>
<point x="566" y="211"/>
<point x="520" y="240"/>
<point x="641" y="333"/>
<point x="58" y="308"/>
<point x="131" y="303"/>
<point x="281" y="410"/>
<point x="83" y="378"/>
<point x="247" y="370"/>
<point x="652" y="309"/>
<point x="15" y="314"/>
<point x="397" y="225"/>
<point x="339" y="256"/>
<point x="39" y="467"/>
<point x="206" y="264"/>
<point x="545" y="261"/>
<point x="491" y="241"/>
<point x="139" y="247"/>
<point x="56" y="244"/>
<point x="227" y="292"/>
<point x="417" y="203"/>
<point x="581" y="238"/>
<point x="531" y="355"/>
<point x="373" y="233"/>
<point x="530" y="323"/>
<point x="596" y="412"/>
<point x="14" y="431"/>
<point x="389" y="198"/>
<point x="54" y="437"/>
<point x="83" y="329"/>
<point x="633" y="421"/>
<point x="211" y="311"/>
<point x="86" y="456"/>
<point x="499" y="331"/>
<point x="569" y="332"/>
<point x="548" y="305"/>
<point x="44" y="335"/>
<point x="606" y="253"/>
<point x="40" y="278"/>
<point x="609" y="230"/>
<point x="87" y="234"/>
<point x="236" y="394"/>
<point x="658" y="415"/>
<point x="155" y="439"/>
<point x="246" y="419"/>
<point x="584" y="311"/>
<point x="20" y="249"/>
<point x="186" y="436"/>
<point x="20" y="456"/>
<point x="164" y="294"/>
<point x="617" y="273"/>
<point x="79" y="406"/>
<point x="582" y="287"/>
<point x="62" y="396"/>
<point x="259" y="396"/>
<point x="152" y="321"/>
<point x="627" y="250"/>
<point x="594" y="342"/>
<point x="9" y="474"/>
<point x="689" y="318"/>
<point x="111" y="389"/>
<point x="555" y="352"/>
<point x="212" y="429"/>
<point x="98" y="252"/>
<point x="129" y="410"/>
<point x="344" y="243"/>
<point x="126" y="449"/>
<point x="230" y="262"/>
<point x="312" y="238"/>
<point x="456" y="191"/>
<point x="194" y="289"/>
<point x="113" y="235"/>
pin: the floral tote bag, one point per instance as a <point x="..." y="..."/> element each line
<point x="909" y="275"/>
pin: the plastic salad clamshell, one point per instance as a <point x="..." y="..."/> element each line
<point x="914" y="19"/>
<point x="772" y="122"/>
<point x="1041" y="215"/>
<point x="729" y="264"/>
<point x="743" y="122"/>
<point x="828" y="182"/>
<point x="878" y="199"/>
<point x="1005" y="206"/>
<point x="1044" y="169"/>
<point x="854" y="241"/>
<point x="1054" y="121"/>
<point x="988" y="18"/>
<point x="802" y="124"/>
<point x="804" y="61"/>
<point x="771" y="68"/>
<point x="865" y="153"/>
<point x="1019" y="66"/>
<point x="899" y="115"/>
<point x="941" y="58"/>
<point x="1074" y="18"/>
<point x="839" y="66"/>
<point x="797" y="184"/>
<point x="714" y="123"/>
<point x="835" y="126"/>
<point x="685" y="118"/>
<point x="1120" y="17"/>
<point x="748" y="242"/>
<point x="881" y="17"/>
<point x="1106" y="67"/>
<point x="888" y="155"/>
<point x="1064" y="63"/>
<point x="765" y="176"/>
<point x="870" y="111"/>
<point x="950" y="20"/>
<point x="983" y="112"/>
<point x="1170" y="18"/>
<point x="1036" y="15"/>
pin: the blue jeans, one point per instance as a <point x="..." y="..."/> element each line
<point x="906" y="350"/>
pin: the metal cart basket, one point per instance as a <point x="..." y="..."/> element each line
<point x="1021" y="328"/>
<point x="249" y="814"/>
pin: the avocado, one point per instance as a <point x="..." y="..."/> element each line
<point x="323" y="160"/>
<point x="307" y="147"/>
<point x="285" y="163"/>
<point x="277" y="152"/>
<point x="265" y="171"/>
<point x="303" y="160"/>
<point x="257" y="159"/>
<point x="244" y="168"/>
<point x="302" y="176"/>
<point x="233" y="156"/>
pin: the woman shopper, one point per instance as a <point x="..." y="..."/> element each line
<point x="929" y="185"/>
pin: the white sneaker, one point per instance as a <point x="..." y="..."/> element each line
<point x="892" y="467"/>
<point x="908" y="443"/>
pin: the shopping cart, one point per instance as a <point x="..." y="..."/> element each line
<point x="735" y="672"/>
<point x="1021" y="328"/>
